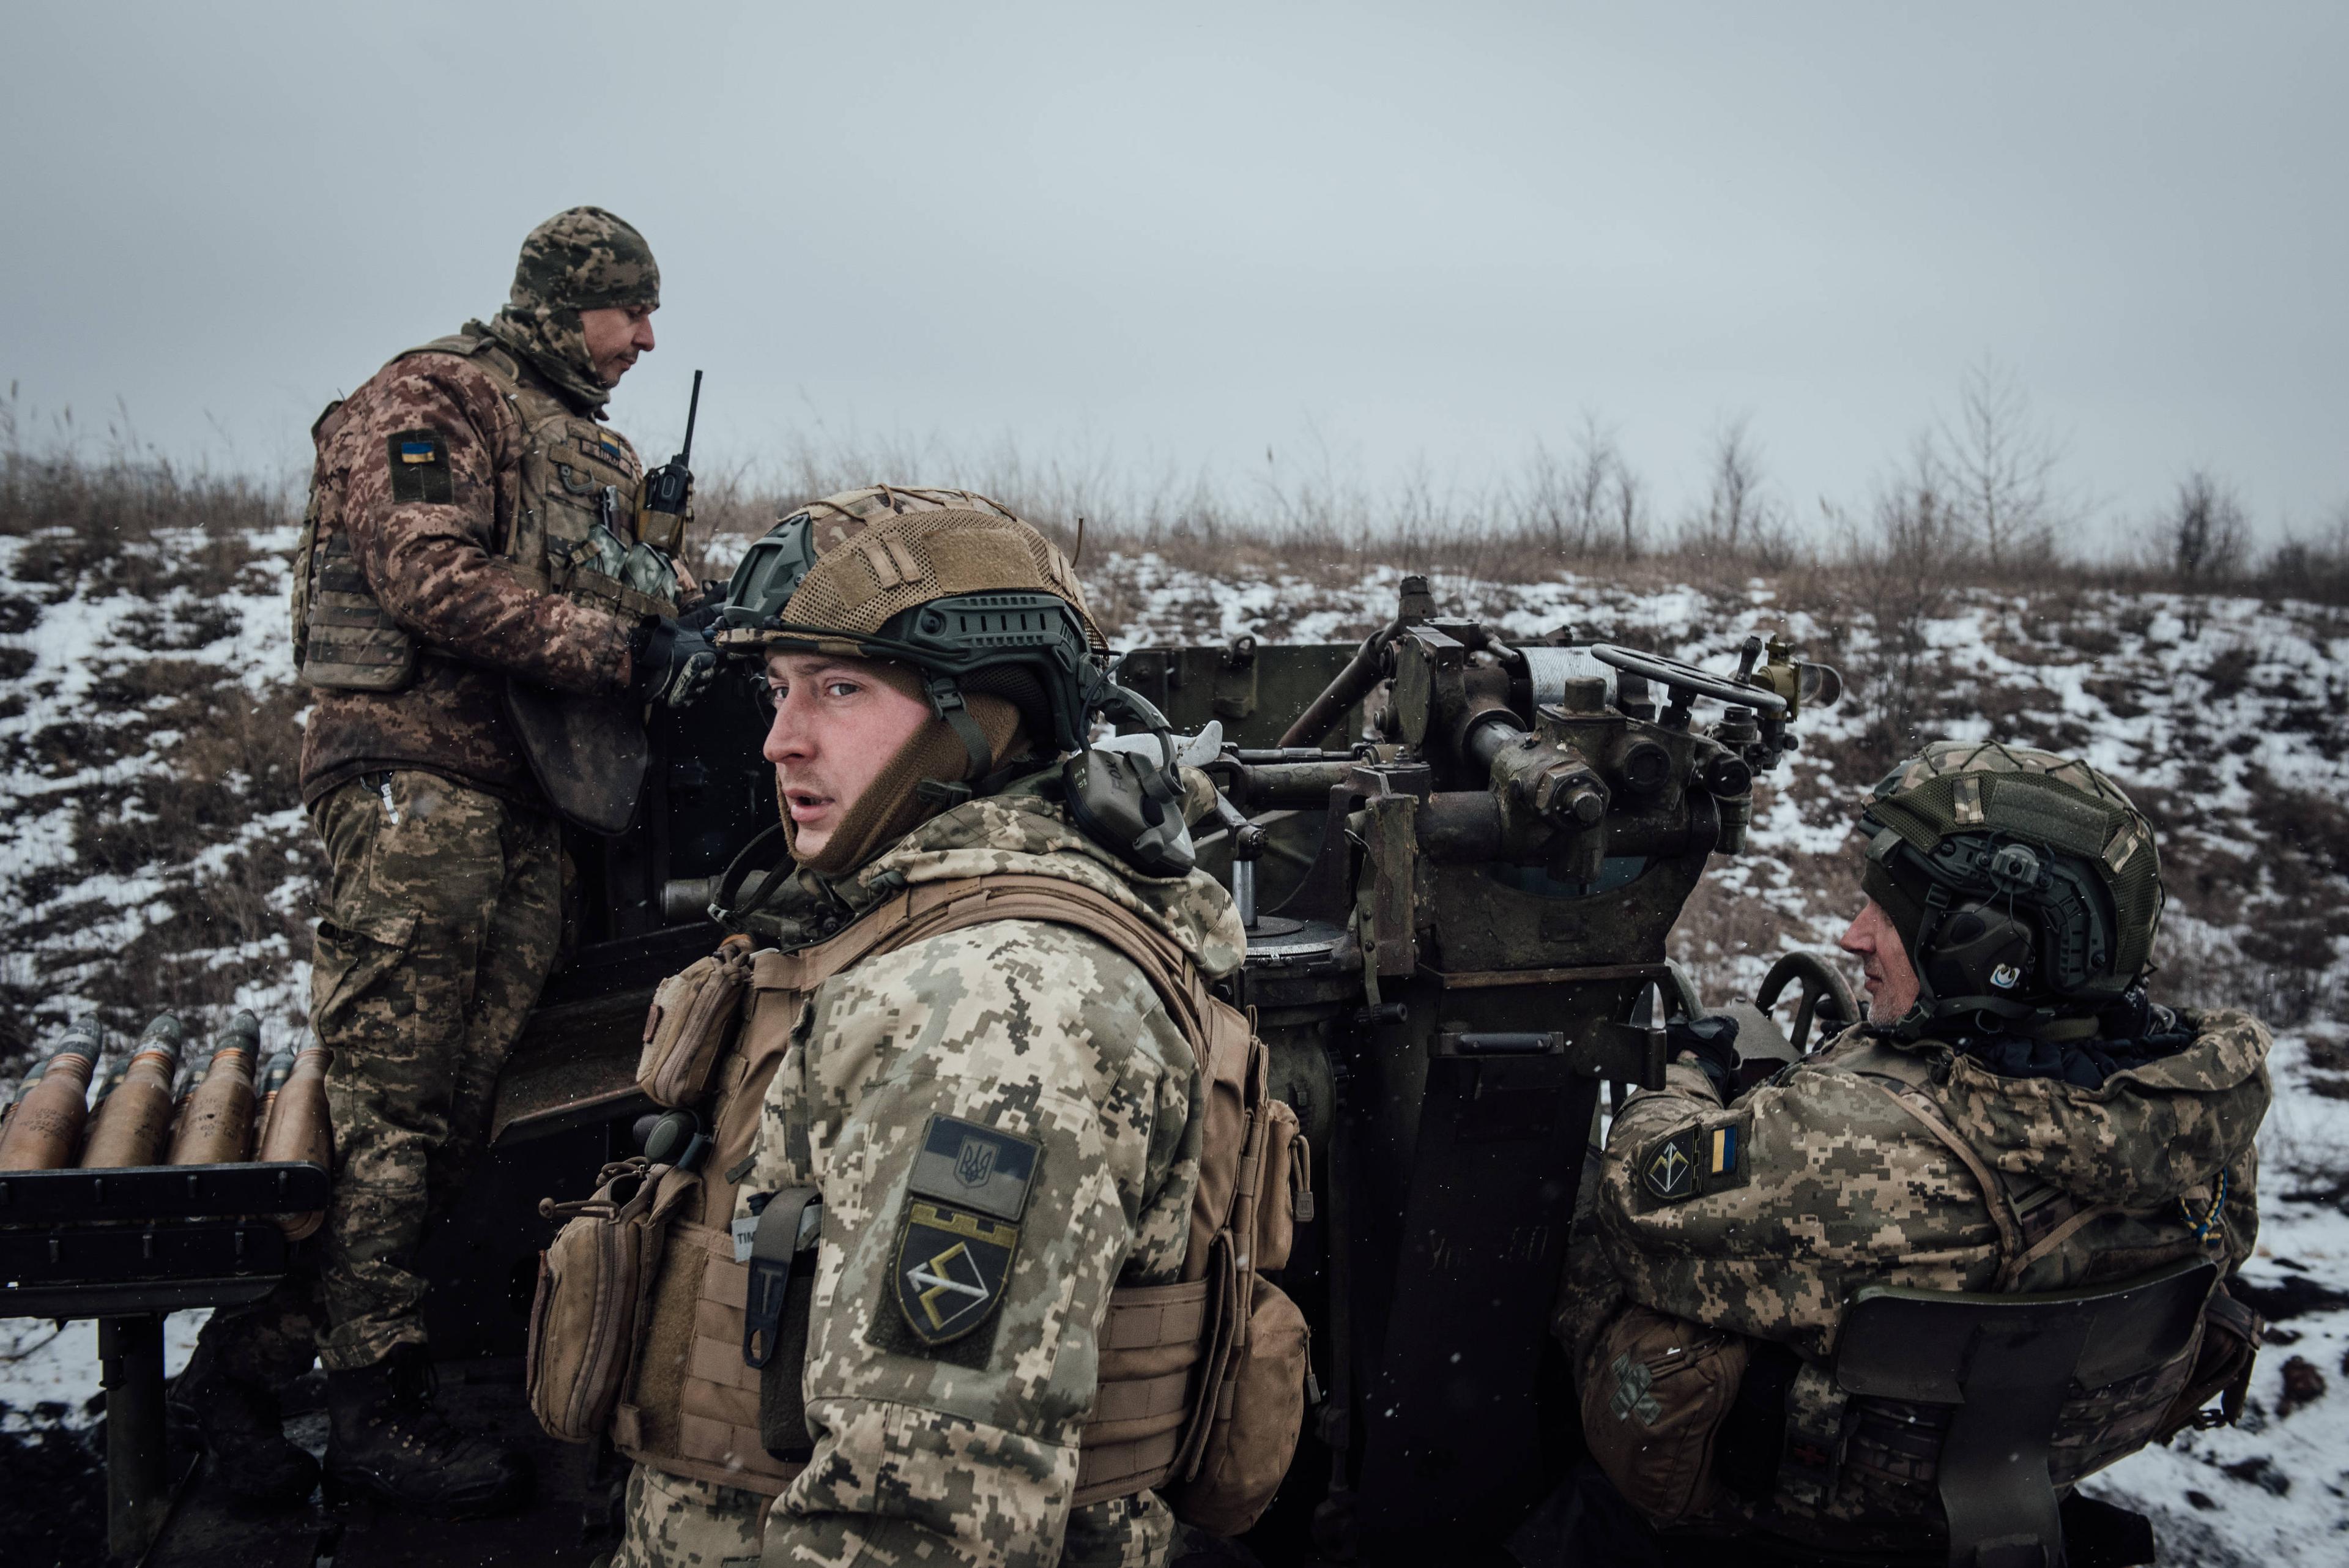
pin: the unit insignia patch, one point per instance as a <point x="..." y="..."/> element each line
<point x="952" y="1266"/>
<point x="1668" y="1166"/>
<point x="961" y="1226"/>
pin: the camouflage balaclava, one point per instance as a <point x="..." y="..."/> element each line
<point x="582" y="258"/>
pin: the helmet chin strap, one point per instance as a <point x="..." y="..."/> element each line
<point x="946" y="701"/>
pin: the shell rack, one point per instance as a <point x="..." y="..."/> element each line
<point x="126" y="1247"/>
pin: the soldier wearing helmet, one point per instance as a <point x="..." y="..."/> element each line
<point x="998" y="1117"/>
<point x="2017" y="1115"/>
<point x="484" y="612"/>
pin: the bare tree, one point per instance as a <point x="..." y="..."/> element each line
<point x="1739" y="516"/>
<point x="1566" y="496"/>
<point x="1588" y="500"/>
<point x="2207" y="531"/>
<point x="1629" y="506"/>
<point x="1901" y="573"/>
<point x="1997" y="468"/>
<point x="2315" y="567"/>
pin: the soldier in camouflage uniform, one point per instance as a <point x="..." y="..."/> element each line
<point x="429" y="581"/>
<point x="2023" y="1119"/>
<point x="962" y="1450"/>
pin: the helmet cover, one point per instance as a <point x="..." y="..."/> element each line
<point x="2019" y="880"/>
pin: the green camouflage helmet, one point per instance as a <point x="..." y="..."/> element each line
<point x="2021" y="881"/>
<point x="583" y="258"/>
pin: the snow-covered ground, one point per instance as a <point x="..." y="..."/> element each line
<point x="2228" y="719"/>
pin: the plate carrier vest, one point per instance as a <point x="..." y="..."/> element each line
<point x="575" y="473"/>
<point x="1170" y="1355"/>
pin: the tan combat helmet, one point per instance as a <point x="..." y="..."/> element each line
<point x="983" y="606"/>
<point x="2023" y="882"/>
<point x="943" y="580"/>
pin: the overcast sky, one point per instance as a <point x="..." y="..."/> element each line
<point x="1180" y="235"/>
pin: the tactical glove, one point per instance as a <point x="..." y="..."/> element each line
<point x="1712" y="1041"/>
<point x="672" y="665"/>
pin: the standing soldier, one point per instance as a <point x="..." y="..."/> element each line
<point x="485" y="610"/>
<point x="2022" y="1118"/>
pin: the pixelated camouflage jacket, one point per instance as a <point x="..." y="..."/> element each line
<point x="1835" y="1178"/>
<point x="966" y="1452"/>
<point x="435" y="566"/>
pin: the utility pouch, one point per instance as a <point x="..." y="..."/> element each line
<point x="775" y="1310"/>
<point x="593" y="1284"/>
<point x="1255" y="1414"/>
<point x="1656" y="1391"/>
<point x="2222" y="1368"/>
<point x="587" y="752"/>
<point x="1248" y="1404"/>
<point x="691" y="1019"/>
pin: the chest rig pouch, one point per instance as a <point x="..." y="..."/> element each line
<point x="570" y="532"/>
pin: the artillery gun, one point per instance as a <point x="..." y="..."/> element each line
<point x="1458" y="855"/>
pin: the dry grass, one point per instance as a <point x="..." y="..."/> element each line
<point x="203" y="758"/>
<point x="169" y="771"/>
<point x="1316" y="519"/>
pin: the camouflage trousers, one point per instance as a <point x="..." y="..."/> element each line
<point x="442" y="920"/>
<point x="442" y="923"/>
<point x="675" y="1521"/>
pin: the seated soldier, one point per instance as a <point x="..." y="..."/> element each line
<point x="2016" y="1116"/>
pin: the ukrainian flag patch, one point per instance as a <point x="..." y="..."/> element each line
<point x="1695" y="1159"/>
<point x="420" y="468"/>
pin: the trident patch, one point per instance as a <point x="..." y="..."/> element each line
<point x="961" y="1227"/>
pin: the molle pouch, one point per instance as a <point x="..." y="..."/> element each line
<point x="692" y="1017"/>
<point x="1655" y="1393"/>
<point x="593" y="1281"/>
<point x="346" y="641"/>
<point x="1284" y="1194"/>
<point x="2222" y="1368"/>
<point x="1258" y="1413"/>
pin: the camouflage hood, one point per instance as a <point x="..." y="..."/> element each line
<point x="1021" y="831"/>
<point x="582" y="258"/>
<point x="554" y="345"/>
<point x="2152" y="1132"/>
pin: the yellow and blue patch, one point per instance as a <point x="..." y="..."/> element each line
<point x="420" y="468"/>
<point x="1695" y="1159"/>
